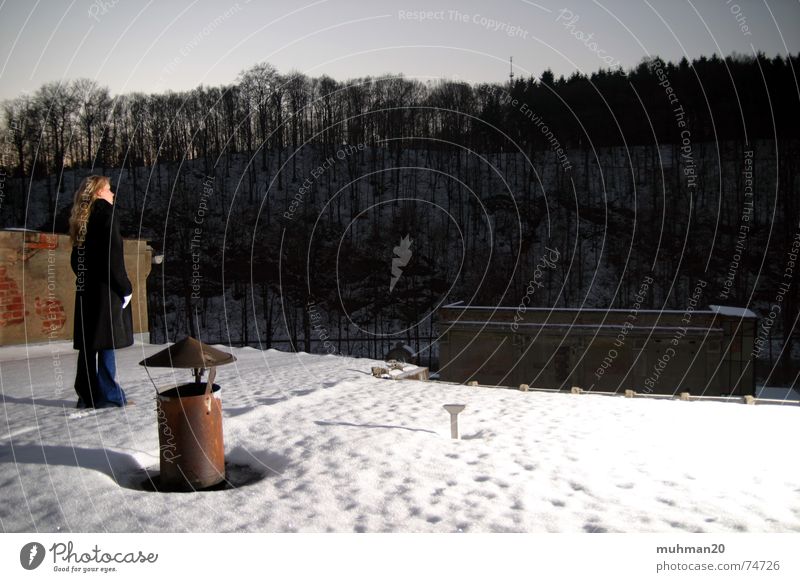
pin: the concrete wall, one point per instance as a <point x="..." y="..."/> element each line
<point x="37" y="286"/>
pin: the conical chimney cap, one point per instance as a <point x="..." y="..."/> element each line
<point x="188" y="353"/>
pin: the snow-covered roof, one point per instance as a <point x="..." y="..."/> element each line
<point x="615" y="326"/>
<point x="459" y="305"/>
<point x="717" y="309"/>
<point x="732" y="311"/>
<point x="342" y="451"/>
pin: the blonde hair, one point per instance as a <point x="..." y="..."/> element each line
<point x="82" y="206"/>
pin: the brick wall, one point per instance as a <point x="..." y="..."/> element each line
<point x="37" y="286"/>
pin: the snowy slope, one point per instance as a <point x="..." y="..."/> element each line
<point x="342" y="451"/>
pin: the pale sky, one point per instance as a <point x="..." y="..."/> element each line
<point x="149" y="46"/>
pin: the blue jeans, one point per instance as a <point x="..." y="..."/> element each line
<point x="95" y="382"/>
<point x="110" y="390"/>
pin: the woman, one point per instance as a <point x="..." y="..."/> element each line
<point x="103" y="320"/>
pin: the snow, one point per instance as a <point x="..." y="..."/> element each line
<point x="718" y="309"/>
<point x="732" y="311"/>
<point x="343" y="451"/>
<point x="459" y="305"/>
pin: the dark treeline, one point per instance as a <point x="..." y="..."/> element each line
<point x="626" y="173"/>
<point x="79" y="125"/>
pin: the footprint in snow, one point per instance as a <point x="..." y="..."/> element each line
<point x="434" y="519"/>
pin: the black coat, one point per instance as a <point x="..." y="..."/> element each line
<point x="101" y="284"/>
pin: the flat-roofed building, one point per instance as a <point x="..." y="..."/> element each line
<point x="704" y="352"/>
